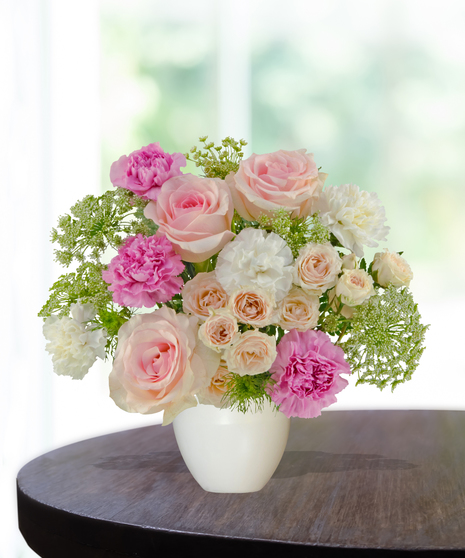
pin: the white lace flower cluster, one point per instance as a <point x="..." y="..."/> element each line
<point x="73" y="343"/>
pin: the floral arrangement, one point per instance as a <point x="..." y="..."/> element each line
<point x="242" y="285"/>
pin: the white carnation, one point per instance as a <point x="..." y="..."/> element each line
<point x="256" y="259"/>
<point x="73" y="345"/>
<point x="354" y="216"/>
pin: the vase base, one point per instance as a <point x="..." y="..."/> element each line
<point x="231" y="452"/>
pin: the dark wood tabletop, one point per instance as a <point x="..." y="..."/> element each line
<point x="351" y="483"/>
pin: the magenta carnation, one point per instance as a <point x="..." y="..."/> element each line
<point x="144" y="272"/>
<point x="145" y="171"/>
<point x="307" y="373"/>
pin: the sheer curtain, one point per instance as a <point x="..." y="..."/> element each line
<point x="49" y="137"/>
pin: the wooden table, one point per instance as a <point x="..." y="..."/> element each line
<point x="358" y="483"/>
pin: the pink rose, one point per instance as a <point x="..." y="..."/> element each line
<point x="201" y="293"/>
<point x="265" y="183"/>
<point x="144" y="272"/>
<point x="160" y="364"/>
<point x="307" y="373"/>
<point x="195" y="214"/>
<point x="144" y="171"/>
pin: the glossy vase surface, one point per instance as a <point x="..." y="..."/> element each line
<point x="229" y="451"/>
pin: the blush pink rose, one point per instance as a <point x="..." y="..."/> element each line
<point x="252" y="306"/>
<point x="253" y="353"/>
<point x="317" y="268"/>
<point x="145" y="170"/>
<point x="160" y="364"/>
<point x="307" y="373"/>
<point x="202" y="293"/>
<point x="219" y="330"/>
<point x="299" y="310"/>
<point x="195" y="214"/>
<point x="265" y="183"/>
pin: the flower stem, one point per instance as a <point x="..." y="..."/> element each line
<point x="341" y="335"/>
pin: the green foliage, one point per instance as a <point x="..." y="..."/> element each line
<point x="386" y="340"/>
<point x="112" y="318"/>
<point x="175" y="303"/>
<point x="239" y="224"/>
<point x="333" y="323"/>
<point x="318" y="233"/>
<point x="98" y="222"/>
<point x="296" y="232"/>
<point x="87" y="286"/>
<point x="217" y="161"/>
<point x="248" y="392"/>
<point x="94" y="224"/>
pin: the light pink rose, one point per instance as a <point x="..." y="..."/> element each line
<point x="160" y="364"/>
<point x="202" y="292"/>
<point x="299" y="310"/>
<point x="265" y="183"/>
<point x="253" y="353"/>
<point x="349" y="261"/>
<point x="354" y="287"/>
<point x="391" y="268"/>
<point x="317" y="268"/>
<point x="214" y="393"/>
<point x="219" y="330"/>
<point x="195" y="214"/>
<point x="252" y="306"/>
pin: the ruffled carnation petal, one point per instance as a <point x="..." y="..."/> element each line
<point x="73" y="343"/>
<point x="354" y="216"/>
<point x="256" y="259"/>
<point x="144" y="272"/>
<point x="145" y="170"/>
<point x="307" y="373"/>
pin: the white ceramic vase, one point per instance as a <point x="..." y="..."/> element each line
<point x="229" y="451"/>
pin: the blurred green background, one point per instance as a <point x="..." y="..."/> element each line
<point x="374" y="89"/>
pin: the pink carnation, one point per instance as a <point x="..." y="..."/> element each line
<point x="144" y="272"/>
<point x="145" y="171"/>
<point x="307" y="373"/>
